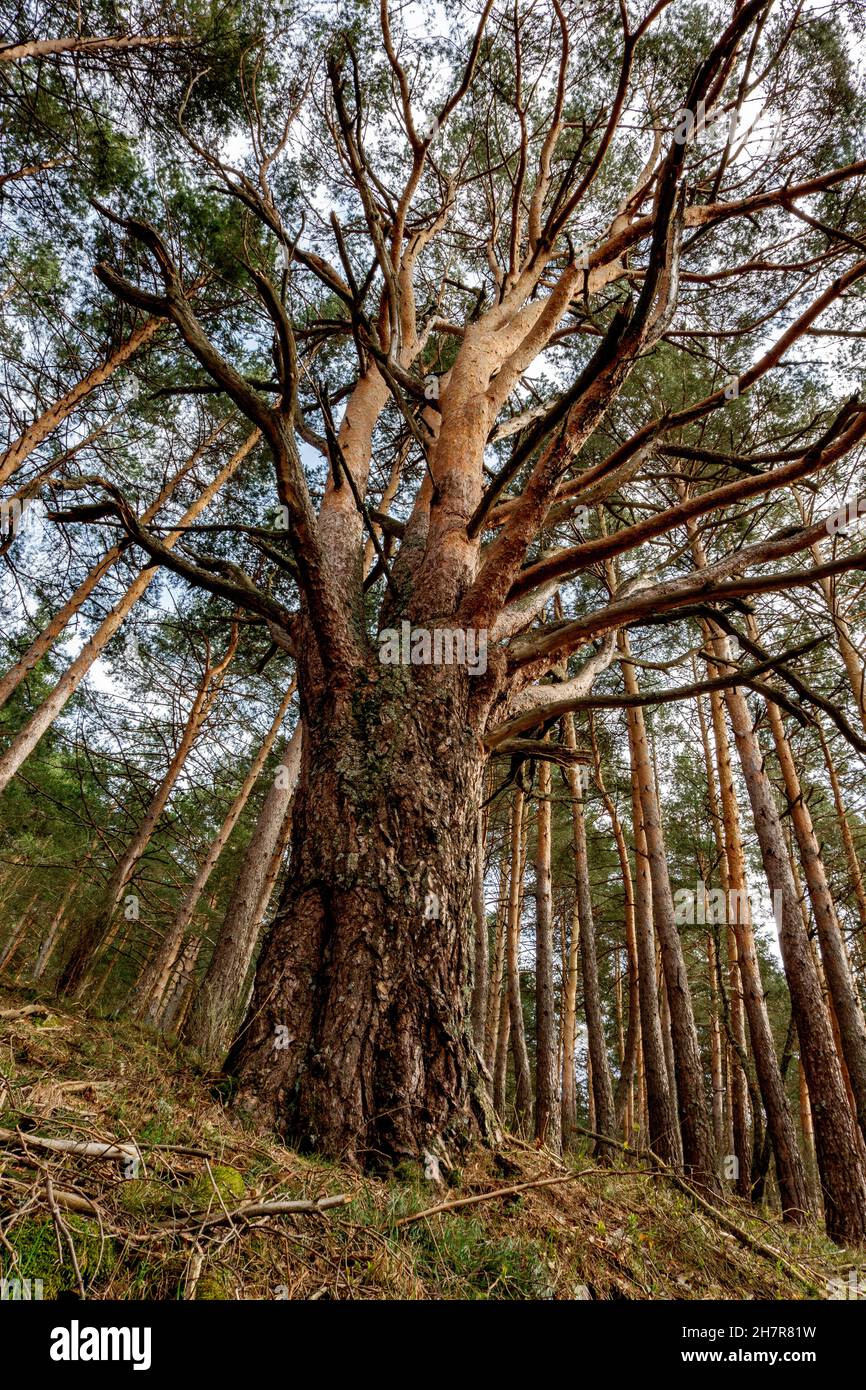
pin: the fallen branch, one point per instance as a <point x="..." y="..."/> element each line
<point x="250" y="1210"/>
<point x="90" y="1149"/>
<point x="26" y="1009"/>
<point x="769" y="1252"/>
<point x="514" y="1189"/>
<point x="70" y="1201"/>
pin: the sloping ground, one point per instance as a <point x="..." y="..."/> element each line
<point x="189" y="1223"/>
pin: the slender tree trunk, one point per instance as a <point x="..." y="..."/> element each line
<point x="602" y="1086"/>
<point x="793" y="1192"/>
<point x="624" y="1088"/>
<point x="500" y="1070"/>
<point x="667" y="1038"/>
<point x="640" y="1128"/>
<point x="808" y="1138"/>
<point x="215" y="1006"/>
<point x="737" y="1084"/>
<point x="494" y="999"/>
<point x="99" y="932"/>
<point x="855" y="871"/>
<point x="661" y="1120"/>
<point x="843" y="996"/>
<point x="41" y="720"/>
<point x="153" y="980"/>
<point x="548" y="1115"/>
<point x="697" y="1138"/>
<point x="841" y="1154"/>
<point x="178" y="996"/>
<point x="716" y="1051"/>
<point x="60" y="410"/>
<point x="789" y="1168"/>
<point x="56" y="922"/>
<point x="517" y="1034"/>
<point x="569" y="1029"/>
<point x="47" y="637"/>
<point x="19" y="931"/>
<point x="852" y="657"/>
<point x="481" y="982"/>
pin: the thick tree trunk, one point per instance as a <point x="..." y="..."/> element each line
<point x="841" y="1153"/>
<point x="215" y="1007"/>
<point x="548" y="1118"/>
<point x="358" y="1041"/>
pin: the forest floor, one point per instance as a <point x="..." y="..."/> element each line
<point x="186" y="1225"/>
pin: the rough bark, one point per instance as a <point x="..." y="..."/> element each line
<point x="358" y="1039"/>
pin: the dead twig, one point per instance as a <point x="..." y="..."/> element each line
<point x="516" y="1188"/>
<point x="63" y="1232"/>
